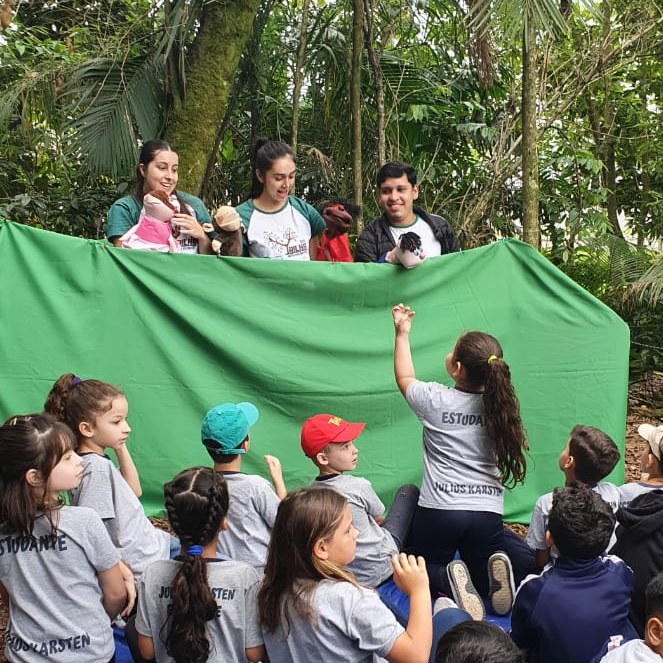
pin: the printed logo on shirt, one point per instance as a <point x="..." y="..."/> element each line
<point x="13" y="545"/>
<point x="464" y="489"/>
<point x="45" y="649"/>
<point x="285" y="242"/>
<point x="221" y="593"/>
<point x="463" y="419"/>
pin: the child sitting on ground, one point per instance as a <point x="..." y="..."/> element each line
<point x="569" y="612"/>
<point x="313" y="609"/>
<point x="651" y="648"/>
<point x="477" y="642"/>
<point x="253" y="503"/>
<point x="328" y="441"/>
<point x="197" y="607"/>
<point x="651" y="466"/>
<point x="589" y="456"/>
<point x="97" y="412"/>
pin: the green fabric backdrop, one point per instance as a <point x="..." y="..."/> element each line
<point x="182" y="333"/>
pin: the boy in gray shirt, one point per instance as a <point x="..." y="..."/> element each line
<point x="328" y="441"/>
<point x="253" y="502"/>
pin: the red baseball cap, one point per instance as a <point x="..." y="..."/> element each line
<point x="323" y="429"/>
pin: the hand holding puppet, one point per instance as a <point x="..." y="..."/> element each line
<point x="153" y="232"/>
<point x="407" y="252"/>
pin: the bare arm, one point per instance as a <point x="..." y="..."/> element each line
<point x="413" y="646"/>
<point x="146" y="647"/>
<point x="113" y="590"/>
<point x="115" y="241"/>
<point x="256" y="654"/>
<point x="403" y="365"/>
<point x="130" y="586"/>
<point x="276" y="475"/>
<point x="313" y="245"/>
<point x="128" y="469"/>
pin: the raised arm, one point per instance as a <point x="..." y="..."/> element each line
<point x="413" y="646"/>
<point x="128" y="469"/>
<point x="276" y="475"/>
<point x="403" y="365"/>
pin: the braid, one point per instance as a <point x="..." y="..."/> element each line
<point x="197" y="502"/>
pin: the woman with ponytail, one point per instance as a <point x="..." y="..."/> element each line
<point x="278" y="225"/>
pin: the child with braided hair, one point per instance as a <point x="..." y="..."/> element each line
<point x="198" y="607"/>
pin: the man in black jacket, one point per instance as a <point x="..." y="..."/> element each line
<point x="397" y="191"/>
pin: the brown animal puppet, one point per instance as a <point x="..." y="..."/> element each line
<point x="229" y="231"/>
<point x="339" y="214"/>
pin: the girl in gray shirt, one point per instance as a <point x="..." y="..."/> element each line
<point x="312" y="608"/>
<point x="59" y="573"/>
<point x="198" y="607"/>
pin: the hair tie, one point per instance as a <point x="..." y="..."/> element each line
<point x="492" y="358"/>
<point x="194" y="551"/>
<point x="76" y="380"/>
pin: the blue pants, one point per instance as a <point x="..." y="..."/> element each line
<point x="442" y="622"/>
<point x="438" y="533"/>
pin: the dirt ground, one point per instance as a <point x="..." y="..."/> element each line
<point x="645" y="404"/>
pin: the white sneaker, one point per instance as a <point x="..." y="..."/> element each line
<point x="502" y="588"/>
<point x="465" y="595"/>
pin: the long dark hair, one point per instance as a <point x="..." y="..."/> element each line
<point x="292" y="570"/>
<point x="265" y="153"/>
<point x="73" y="401"/>
<point x="196" y="502"/>
<point x="481" y="356"/>
<point x="29" y="442"/>
<point x="147" y="154"/>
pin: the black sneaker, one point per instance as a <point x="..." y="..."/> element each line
<point x="502" y="588"/>
<point x="464" y="593"/>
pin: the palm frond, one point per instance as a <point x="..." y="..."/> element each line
<point x="114" y="103"/>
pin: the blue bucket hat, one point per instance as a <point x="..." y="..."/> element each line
<point x="226" y="426"/>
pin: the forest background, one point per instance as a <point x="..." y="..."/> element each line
<point x="537" y="119"/>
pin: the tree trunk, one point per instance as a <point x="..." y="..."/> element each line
<point x="225" y="26"/>
<point x="355" y="104"/>
<point x="378" y="78"/>
<point x="531" y="230"/>
<point x="298" y="76"/>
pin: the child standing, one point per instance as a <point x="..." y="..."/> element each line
<point x="97" y="413"/>
<point x="253" y="502"/>
<point x="569" y="612"/>
<point x="474" y="446"/>
<point x="312" y="608"/>
<point x="59" y="573"/>
<point x="198" y="607"/>
<point x="589" y="456"/>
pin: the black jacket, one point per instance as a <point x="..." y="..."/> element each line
<point x="376" y="239"/>
<point x="640" y="545"/>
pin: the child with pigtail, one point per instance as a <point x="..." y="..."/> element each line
<point x="198" y="607"/>
<point x="474" y="448"/>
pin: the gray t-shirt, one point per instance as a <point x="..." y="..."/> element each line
<point x="536" y="532"/>
<point x="251" y="513"/>
<point x="629" y="491"/>
<point x="104" y="489"/>
<point x="55" y="600"/>
<point x="351" y="625"/>
<point x="375" y="545"/>
<point x="460" y="466"/>
<point x="234" y="586"/>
